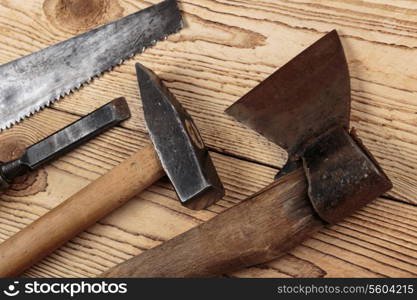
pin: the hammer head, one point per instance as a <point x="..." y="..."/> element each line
<point x="304" y="107"/>
<point x="178" y="144"/>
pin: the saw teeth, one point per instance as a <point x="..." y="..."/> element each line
<point x="84" y="83"/>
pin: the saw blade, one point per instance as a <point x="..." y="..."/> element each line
<point x="35" y="81"/>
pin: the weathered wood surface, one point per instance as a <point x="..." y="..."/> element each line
<point x="261" y="228"/>
<point x="79" y="212"/>
<point x="225" y="50"/>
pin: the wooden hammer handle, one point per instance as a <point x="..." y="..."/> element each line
<point x="79" y="212"/>
<point x="257" y="230"/>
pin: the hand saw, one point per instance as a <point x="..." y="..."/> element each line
<point x="33" y="82"/>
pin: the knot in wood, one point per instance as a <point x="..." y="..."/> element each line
<point x="13" y="146"/>
<point x="77" y="16"/>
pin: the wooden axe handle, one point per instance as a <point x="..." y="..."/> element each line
<point x="79" y="212"/>
<point x="257" y="230"/>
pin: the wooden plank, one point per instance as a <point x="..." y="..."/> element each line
<point x="380" y="240"/>
<point x="227" y="47"/>
<point x="220" y="56"/>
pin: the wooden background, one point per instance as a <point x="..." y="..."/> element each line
<point x="227" y="48"/>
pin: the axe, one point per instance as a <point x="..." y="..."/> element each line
<point x="177" y="149"/>
<point x="304" y="107"/>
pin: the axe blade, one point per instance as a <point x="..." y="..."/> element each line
<point x="304" y="98"/>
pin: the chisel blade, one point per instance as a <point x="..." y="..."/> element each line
<point x="65" y="140"/>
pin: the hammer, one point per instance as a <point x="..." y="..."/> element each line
<point x="303" y="107"/>
<point x="177" y="149"/>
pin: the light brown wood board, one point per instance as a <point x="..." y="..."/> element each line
<point x="226" y="48"/>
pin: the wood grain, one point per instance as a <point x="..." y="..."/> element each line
<point x="261" y="228"/>
<point x="227" y="48"/>
<point x="80" y="211"/>
<point x="380" y="240"/>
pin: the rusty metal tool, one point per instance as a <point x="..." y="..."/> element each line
<point x="33" y="82"/>
<point x="177" y="148"/>
<point x="64" y="140"/>
<point x="304" y="107"/>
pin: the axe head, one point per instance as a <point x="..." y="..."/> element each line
<point x="178" y="144"/>
<point x="301" y="100"/>
<point x="304" y="107"/>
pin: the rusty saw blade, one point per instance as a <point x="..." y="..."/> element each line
<point x="32" y="82"/>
